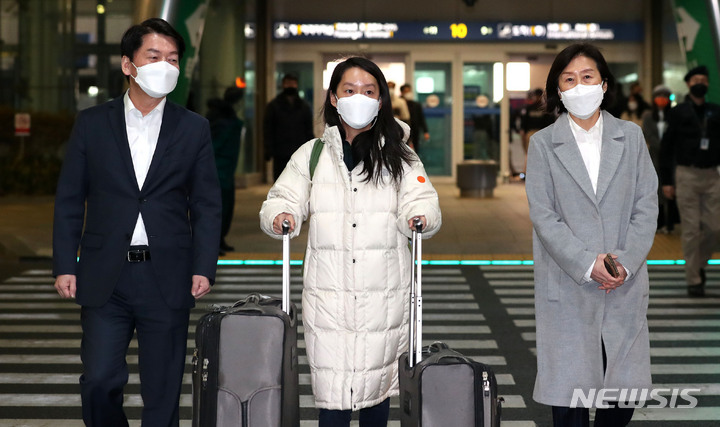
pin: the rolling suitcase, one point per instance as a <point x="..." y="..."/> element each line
<point x="439" y="386"/>
<point x="245" y="366"/>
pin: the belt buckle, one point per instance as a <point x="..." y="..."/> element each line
<point x="140" y="256"/>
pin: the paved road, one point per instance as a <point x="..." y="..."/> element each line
<point x="485" y="312"/>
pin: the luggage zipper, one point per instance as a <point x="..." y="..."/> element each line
<point x="195" y="361"/>
<point x="206" y="362"/>
<point x="486" y="384"/>
<point x="487" y="401"/>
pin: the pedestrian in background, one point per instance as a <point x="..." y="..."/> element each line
<point x="418" y="125"/>
<point x="138" y="195"/>
<point x="399" y="105"/>
<point x="635" y="106"/>
<point x="533" y="117"/>
<point x="362" y="198"/>
<point x="689" y="160"/>
<point x="654" y="124"/>
<point x="226" y="130"/>
<point x="288" y="124"/>
<point x="592" y="193"/>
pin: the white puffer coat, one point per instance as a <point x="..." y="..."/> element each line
<point x="357" y="269"/>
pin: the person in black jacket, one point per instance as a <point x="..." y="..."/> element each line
<point x="288" y="124"/>
<point x="689" y="160"/>
<point x="417" y="118"/>
<point x="226" y="132"/>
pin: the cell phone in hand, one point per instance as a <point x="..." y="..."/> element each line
<point x="610" y="266"/>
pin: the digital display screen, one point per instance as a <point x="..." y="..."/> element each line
<point x="457" y="31"/>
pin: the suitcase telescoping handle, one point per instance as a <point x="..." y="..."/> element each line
<point x="415" y="340"/>
<point x="286" y="267"/>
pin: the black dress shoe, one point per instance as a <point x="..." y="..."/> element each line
<point x="225" y="247"/>
<point x="696" y="290"/>
<point x="702" y="276"/>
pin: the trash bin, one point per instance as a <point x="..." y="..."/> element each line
<point x="477" y="178"/>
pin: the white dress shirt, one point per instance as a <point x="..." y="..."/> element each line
<point x="590" y="144"/>
<point x="142" y="133"/>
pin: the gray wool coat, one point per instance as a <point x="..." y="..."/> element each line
<point x="571" y="226"/>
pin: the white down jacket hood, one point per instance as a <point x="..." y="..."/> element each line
<point x="357" y="268"/>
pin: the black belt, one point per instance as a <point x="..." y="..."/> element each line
<point x="138" y="255"/>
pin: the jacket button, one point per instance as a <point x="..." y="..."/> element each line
<point x="353" y="260"/>
<point x="143" y="200"/>
<point x="355" y="190"/>
<point x="354" y="225"/>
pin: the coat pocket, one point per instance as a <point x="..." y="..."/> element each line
<point x="553" y="283"/>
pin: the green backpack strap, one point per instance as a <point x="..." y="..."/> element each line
<point x="315" y="156"/>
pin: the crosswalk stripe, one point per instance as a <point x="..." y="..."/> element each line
<point x="685" y="368"/>
<point x="677" y="325"/>
<point x="655" y="302"/>
<point x="653" y="323"/>
<point x="34" y="319"/>
<point x="664" y="312"/>
<point x="683" y="333"/>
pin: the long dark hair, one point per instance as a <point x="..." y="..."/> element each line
<point x="562" y="60"/>
<point x="366" y="146"/>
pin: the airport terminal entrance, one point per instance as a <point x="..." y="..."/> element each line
<point x="470" y="94"/>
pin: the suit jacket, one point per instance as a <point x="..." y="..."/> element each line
<point x="572" y="224"/>
<point x="98" y="201"/>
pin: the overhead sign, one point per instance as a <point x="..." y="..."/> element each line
<point x="458" y="31"/>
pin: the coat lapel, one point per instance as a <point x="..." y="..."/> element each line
<point x="167" y="129"/>
<point x="116" y="114"/>
<point x="568" y="154"/>
<point x="611" y="153"/>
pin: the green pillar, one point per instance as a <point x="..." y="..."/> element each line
<point x="188" y="18"/>
<point x="697" y="25"/>
<point x="222" y="52"/>
<point x="46" y="56"/>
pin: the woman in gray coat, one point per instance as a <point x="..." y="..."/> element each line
<point x="592" y="191"/>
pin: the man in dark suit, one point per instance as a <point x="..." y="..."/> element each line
<point x="417" y="118"/>
<point x="139" y="195"/>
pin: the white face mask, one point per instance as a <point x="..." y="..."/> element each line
<point x="583" y="100"/>
<point x="357" y="111"/>
<point x="157" y="79"/>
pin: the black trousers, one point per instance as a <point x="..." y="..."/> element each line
<point x="136" y="305"/>
<point x="279" y="163"/>
<point x="374" y="416"/>
<point x="227" y="194"/>
<point x="580" y="417"/>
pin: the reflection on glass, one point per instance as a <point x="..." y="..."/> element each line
<point x="481" y="115"/>
<point x="433" y="84"/>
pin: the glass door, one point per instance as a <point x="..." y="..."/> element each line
<point x="481" y="114"/>
<point x="432" y="83"/>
